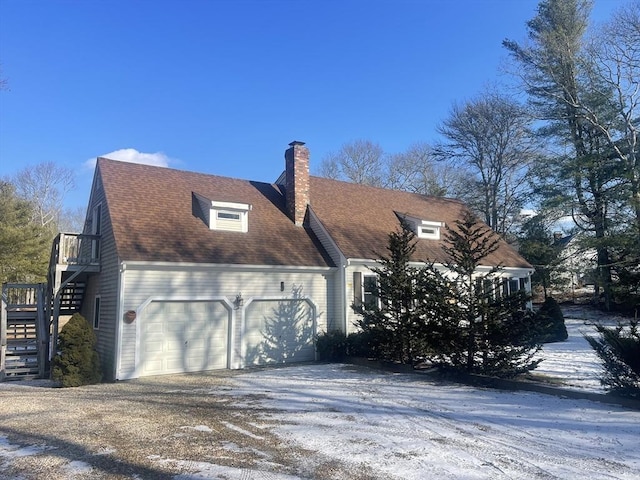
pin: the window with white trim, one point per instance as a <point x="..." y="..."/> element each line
<point x="365" y="289"/>
<point x="429" y="229"/>
<point x="229" y="216"/>
<point x="369" y="290"/>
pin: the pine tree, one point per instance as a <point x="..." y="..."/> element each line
<point x="619" y="350"/>
<point x="410" y="300"/>
<point x="496" y="336"/>
<point x="389" y="322"/>
<point x="24" y="245"/>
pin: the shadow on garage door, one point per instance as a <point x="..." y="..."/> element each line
<point x="279" y="331"/>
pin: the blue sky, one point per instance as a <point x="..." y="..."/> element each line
<point x="223" y="86"/>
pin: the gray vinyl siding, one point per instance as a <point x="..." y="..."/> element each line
<point x="335" y="288"/>
<point x="104" y="284"/>
<point x="143" y="282"/>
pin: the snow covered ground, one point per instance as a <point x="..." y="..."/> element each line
<point x="379" y="425"/>
<point x="573" y="362"/>
<point x="399" y="426"/>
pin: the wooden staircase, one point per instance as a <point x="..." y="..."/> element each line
<point x="30" y="312"/>
<point x="71" y="297"/>
<point x="22" y="331"/>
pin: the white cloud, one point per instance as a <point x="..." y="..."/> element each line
<point x="132" y="155"/>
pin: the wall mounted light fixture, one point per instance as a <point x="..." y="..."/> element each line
<point x="238" y="302"/>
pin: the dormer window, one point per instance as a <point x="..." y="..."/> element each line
<point x="429" y="229"/>
<point x="228" y="216"/>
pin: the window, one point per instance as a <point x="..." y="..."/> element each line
<point x="228" y="216"/>
<point x="96" y="228"/>
<point x="369" y="288"/>
<point x="96" y="313"/>
<point x="428" y="229"/>
<point x="364" y="290"/>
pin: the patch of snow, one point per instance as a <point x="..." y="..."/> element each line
<point x="573" y="362"/>
<point x="199" y="428"/>
<point x="77" y="467"/>
<point x="231" y="426"/>
<point x="403" y="426"/>
<point x="10" y="451"/>
<point x="105" y="451"/>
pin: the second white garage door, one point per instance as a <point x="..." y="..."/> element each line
<point x="278" y="331"/>
<point x="181" y="336"/>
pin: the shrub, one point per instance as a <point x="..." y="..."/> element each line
<point x="332" y="346"/>
<point x="363" y="344"/>
<point x="619" y="350"/>
<point x="549" y="321"/>
<point x="77" y="362"/>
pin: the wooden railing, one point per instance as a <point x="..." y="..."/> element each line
<point x="75" y="249"/>
<point x="21" y="296"/>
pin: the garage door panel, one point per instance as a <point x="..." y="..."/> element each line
<point x="279" y="331"/>
<point x="183" y="336"/>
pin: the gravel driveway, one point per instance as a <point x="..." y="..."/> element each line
<point x="150" y="428"/>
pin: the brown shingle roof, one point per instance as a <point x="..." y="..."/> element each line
<point x="151" y="213"/>
<point x="359" y="218"/>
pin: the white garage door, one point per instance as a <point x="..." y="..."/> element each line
<point x="183" y="337"/>
<point x="278" y="331"/>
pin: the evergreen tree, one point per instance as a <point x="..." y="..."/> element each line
<point x="550" y="322"/>
<point x="410" y="299"/>
<point x="423" y="314"/>
<point x="77" y="362"/>
<point x="24" y="245"/>
<point x="619" y="351"/>
<point x="390" y="321"/>
<point x="496" y="333"/>
<point x="585" y="175"/>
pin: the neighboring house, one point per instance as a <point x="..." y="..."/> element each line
<point x="577" y="263"/>
<point x="202" y="272"/>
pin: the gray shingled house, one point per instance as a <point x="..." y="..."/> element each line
<point x="200" y="272"/>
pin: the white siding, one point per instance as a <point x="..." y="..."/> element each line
<point x="363" y="268"/>
<point x="351" y="316"/>
<point x="336" y="288"/>
<point x="144" y="283"/>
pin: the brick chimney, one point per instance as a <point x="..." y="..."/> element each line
<point x="297" y="181"/>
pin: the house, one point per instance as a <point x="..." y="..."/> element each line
<point x="577" y="264"/>
<point x="200" y="272"/>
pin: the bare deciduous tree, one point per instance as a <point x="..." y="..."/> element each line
<point x="360" y="161"/>
<point x="490" y="137"/>
<point x="45" y="185"/>
<point x="417" y="170"/>
<point x="414" y="170"/>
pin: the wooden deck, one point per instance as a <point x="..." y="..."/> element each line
<point x="30" y="312"/>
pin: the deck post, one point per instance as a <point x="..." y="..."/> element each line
<point x="42" y="331"/>
<point x="3" y="332"/>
